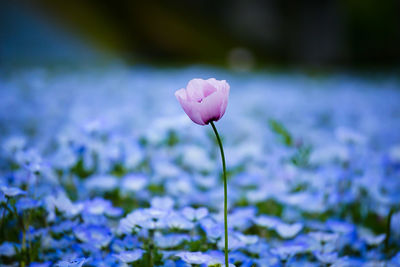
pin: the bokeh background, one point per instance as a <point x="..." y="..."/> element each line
<point x="99" y="165"/>
<point x="238" y="34"/>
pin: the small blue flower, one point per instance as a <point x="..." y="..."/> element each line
<point x="289" y="249"/>
<point x="141" y="218"/>
<point x="162" y="203"/>
<point x="101" y="183"/>
<point x="288" y="230"/>
<point x="7" y="249"/>
<point x="194" y="257"/>
<point x="195" y="214"/>
<point x="327" y="257"/>
<point x="12" y="191"/>
<point x="40" y="264"/>
<point x="340" y="227"/>
<point x="98" y="236"/>
<point x="370" y="238"/>
<point x="129" y="256"/>
<point x="64" y="226"/>
<point x="71" y="263"/>
<point x="28" y="203"/>
<point x="178" y="222"/>
<point x="396" y="259"/>
<point x="134" y="183"/>
<point x="170" y="240"/>
<point x="100" y="206"/>
<point x="266" y="221"/>
<point x="323" y="237"/>
<point x="213" y="230"/>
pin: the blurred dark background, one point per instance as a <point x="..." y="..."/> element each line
<point x="241" y="34"/>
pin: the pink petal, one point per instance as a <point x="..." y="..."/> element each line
<point x="194" y="89"/>
<point x="210" y="108"/>
<point x="225" y="91"/>
<point x="181" y="94"/>
<point x="197" y="89"/>
<point x="217" y="84"/>
<point x="189" y="107"/>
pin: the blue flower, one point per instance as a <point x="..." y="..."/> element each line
<point x="195" y="214"/>
<point x="327" y="257"/>
<point x="12" y="191"/>
<point x="133" y="183"/>
<point x="266" y="221"/>
<point x="63" y="204"/>
<point x="213" y="230"/>
<point x="64" y="226"/>
<point x="288" y="230"/>
<point x="141" y="218"/>
<point x="162" y="203"/>
<point x="289" y="249"/>
<point x="170" y="240"/>
<point x="40" y="264"/>
<point x="370" y="238"/>
<point x="28" y="203"/>
<point x="100" y="206"/>
<point x="242" y="217"/>
<point x="323" y="237"/>
<point x="7" y="249"/>
<point x="129" y="256"/>
<point x="98" y="236"/>
<point x="177" y="222"/>
<point x="340" y="227"/>
<point x="194" y="257"/>
<point x="101" y="183"/>
<point x="71" y="263"/>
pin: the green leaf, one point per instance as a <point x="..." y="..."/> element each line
<point x="282" y="132"/>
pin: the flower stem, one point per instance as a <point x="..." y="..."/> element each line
<point x="151" y="247"/>
<point x="388" y="225"/>
<point x="225" y="193"/>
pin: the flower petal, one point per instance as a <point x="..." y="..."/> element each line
<point x="198" y="89"/>
<point x="210" y="108"/>
<point x="189" y="106"/>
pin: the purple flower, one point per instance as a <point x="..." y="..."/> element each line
<point x="204" y="100"/>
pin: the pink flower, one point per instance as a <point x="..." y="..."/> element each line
<point x="204" y="100"/>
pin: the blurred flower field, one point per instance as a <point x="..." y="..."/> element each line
<point x="103" y="168"/>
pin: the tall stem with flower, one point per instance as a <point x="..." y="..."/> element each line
<point x="205" y="101"/>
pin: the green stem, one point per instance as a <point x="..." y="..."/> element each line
<point x="151" y="247"/>
<point x="225" y="193"/>
<point x="388" y="225"/>
<point x="3" y="215"/>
